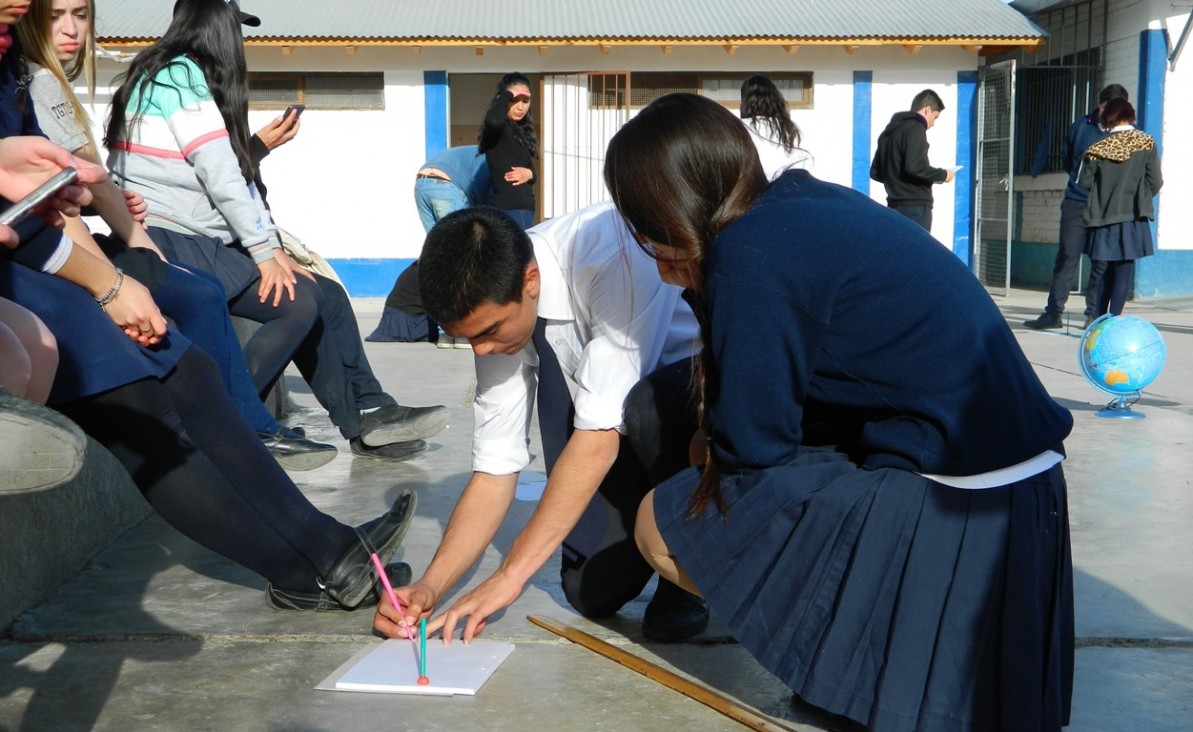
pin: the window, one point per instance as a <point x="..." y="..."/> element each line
<point x="270" y="90"/>
<point x="725" y="88"/>
<point x="1057" y="83"/>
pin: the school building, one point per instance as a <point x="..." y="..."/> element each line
<point x="388" y="83"/>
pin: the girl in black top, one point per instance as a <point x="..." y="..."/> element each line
<point x="509" y="145"/>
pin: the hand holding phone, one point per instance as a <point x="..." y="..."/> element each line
<point x="22" y="208"/>
<point x="297" y="109"/>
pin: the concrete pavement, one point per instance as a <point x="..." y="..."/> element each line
<point x="156" y="633"/>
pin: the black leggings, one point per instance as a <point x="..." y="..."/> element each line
<point x="1115" y="288"/>
<point x="602" y="568"/>
<point x="283" y="328"/>
<point x="202" y="468"/>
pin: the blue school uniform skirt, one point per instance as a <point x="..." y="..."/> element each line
<point x="888" y="598"/>
<point x="94" y="355"/>
<point x="1128" y="240"/>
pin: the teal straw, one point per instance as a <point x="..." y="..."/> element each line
<point x="422" y="647"/>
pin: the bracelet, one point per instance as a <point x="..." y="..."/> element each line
<point x="111" y="294"/>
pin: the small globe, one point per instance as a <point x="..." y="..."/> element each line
<point x="1121" y="354"/>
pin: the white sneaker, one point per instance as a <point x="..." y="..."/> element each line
<point x="444" y="340"/>
<point x="39" y="448"/>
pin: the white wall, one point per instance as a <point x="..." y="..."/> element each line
<point x="344" y="185"/>
<point x="1176" y="215"/>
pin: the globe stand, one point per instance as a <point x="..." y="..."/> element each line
<point x="1120" y="408"/>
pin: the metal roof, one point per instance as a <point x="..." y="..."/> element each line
<point x="466" y="22"/>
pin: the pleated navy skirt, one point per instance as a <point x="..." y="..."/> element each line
<point x="882" y="596"/>
<point x="94" y="355"/>
<point x="233" y="267"/>
<point x="1119" y="242"/>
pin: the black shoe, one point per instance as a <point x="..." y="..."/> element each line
<point x="674" y="614"/>
<point x="399" y="573"/>
<point x="294" y="452"/>
<point x="396" y="423"/>
<point x="352" y="577"/>
<point x="395" y="452"/>
<point x="1047" y="321"/>
<point x="1088" y="320"/>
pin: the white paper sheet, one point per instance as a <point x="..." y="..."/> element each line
<point x="392" y="668"/>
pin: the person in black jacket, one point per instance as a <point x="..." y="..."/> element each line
<point x="508" y="142"/>
<point x="901" y="160"/>
<point x="1122" y="174"/>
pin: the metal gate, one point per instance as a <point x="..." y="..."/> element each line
<point x="581" y="112"/>
<point x="994" y="222"/>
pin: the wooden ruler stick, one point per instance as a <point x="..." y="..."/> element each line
<point x="691" y="689"/>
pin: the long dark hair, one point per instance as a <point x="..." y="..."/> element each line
<point x="763" y="104"/>
<point x="208" y="32"/>
<point x="523" y="129"/>
<point x="679" y="173"/>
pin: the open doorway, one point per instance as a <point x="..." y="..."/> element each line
<point x="469" y="96"/>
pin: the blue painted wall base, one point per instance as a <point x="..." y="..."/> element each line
<point x="369" y="277"/>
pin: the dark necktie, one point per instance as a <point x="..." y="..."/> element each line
<point x="554" y="400"/>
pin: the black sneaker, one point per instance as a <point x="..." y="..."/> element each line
<point x="394" y="452"/>
<point x="295" y="452"/>
<point x="674" y="614"/>
<point x="277" y="598"/>
<point x="1047" y="321"/>
<point x="396" y="423"/>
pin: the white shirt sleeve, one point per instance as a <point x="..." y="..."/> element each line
<point x="625" y="312"/>
<point x="505" y="389"/>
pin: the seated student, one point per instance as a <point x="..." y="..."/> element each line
<point x="574" y="301"/>
<point x="28" y="351"/>
<point x="178" y="136"/>
<point x="448" y="181"/>
<point x="54" y="35"/>
<point x="156" y="404"/>
<point x="876" y="521"/>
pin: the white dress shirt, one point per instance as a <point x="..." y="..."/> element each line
<point x="610" y="320"/>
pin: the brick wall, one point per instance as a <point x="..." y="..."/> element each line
<point x="1039" y="216"/>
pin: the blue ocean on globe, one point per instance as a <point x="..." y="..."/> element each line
<point x="1121" y="354"/>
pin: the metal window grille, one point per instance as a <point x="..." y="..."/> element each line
<point x="721" y="86"/>
<point x="317" y="91"/>
<point x="1058" y="82"/>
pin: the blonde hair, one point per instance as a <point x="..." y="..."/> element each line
<point x="38" y="43"/>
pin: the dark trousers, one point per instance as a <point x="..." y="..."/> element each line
<point x="1068" y="256"/>
<point x="602" y="567"/>
<point x="196" y="302"/>
<point x="332" y="360"/>
<point x="922" y="215"/>
<point x="330" y="355"/>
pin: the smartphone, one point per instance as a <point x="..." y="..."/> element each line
<point x="22" y="208"/>
<point x="296" y="109"/>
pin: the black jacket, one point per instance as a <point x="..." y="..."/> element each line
<point x="1122" y="174"/>
<point x="901" y="162"/>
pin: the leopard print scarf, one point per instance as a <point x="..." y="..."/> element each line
<point x="1119" y="146"/>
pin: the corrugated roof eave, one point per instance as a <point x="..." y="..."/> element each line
<point x="615" y="40"/>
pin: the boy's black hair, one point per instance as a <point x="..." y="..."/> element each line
<point x="472" y="256"/>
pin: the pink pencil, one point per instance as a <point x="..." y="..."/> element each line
<point x="389" y="589"/>
<point x="393" y="599"/>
